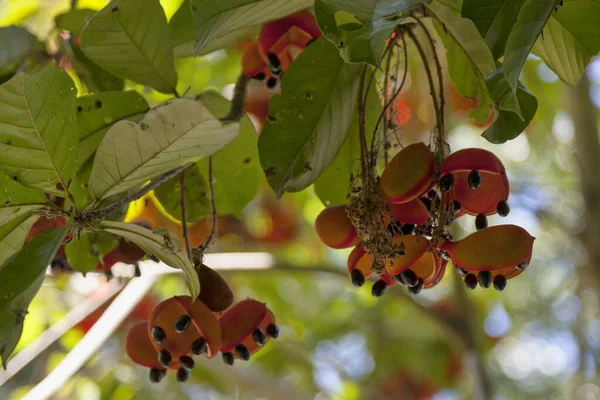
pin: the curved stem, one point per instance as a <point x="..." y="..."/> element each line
<point x="182" y="206"/>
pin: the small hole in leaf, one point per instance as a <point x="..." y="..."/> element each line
<point x="308" y="96"/>
<point x="247" y="160"/>
<point x="98" y="104"/>
<point x="271" y="118"/>
<point x="114" y="9"/>
<point x="270" y="171"/>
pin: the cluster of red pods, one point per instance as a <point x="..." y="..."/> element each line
<point x="180" y="328"/>
<point x="471" y="181"/>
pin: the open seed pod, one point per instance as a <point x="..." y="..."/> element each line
<point x="417" y="266"/>
<point x="412" y="212"/>
<point x="409" y="174"/>
<point x="139" y="348"/>
<point x="480" y="184"/>
<point x="359" y="269"/>
<point x="335" y="228"/>
<point x="246" y="328"/>
<point x="501" y="250"/>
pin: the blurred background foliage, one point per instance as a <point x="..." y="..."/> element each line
<point x="538" y="339"/>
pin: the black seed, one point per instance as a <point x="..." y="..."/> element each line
<point x="474" y="179"/>
<point x="457" y="206"/>
<point x="408" y="229"/>
<point x="57" y="264"/>
<point x="522" y="266"/>
<point x="182" y="323"/>
<point x="156" y="375"/>
<point x="410" y="278"/>
<point x="485" y="279"/>
<point x="481" y="222"/>
<point x="417" y="288"/>
<point x="273" y="331"/>
<point x="199" y="346"/>
<point x="187" y="362"/>
<point x="357" y="278"/>
<point x="242" y="352"/>
<point x="432" y="194"/>
<point x="259" y="337"/>
<point x="446" y="183"/>
<point x="182" y="375"/>
<point x="460" y="269"/>
<point x="137" y="271"/>
<point x="398" y="278"/>
<point x="503" y="208"/>
<point x="499" y="282"/>
<point x="427" y="202"/>
<point x="379" y="288"/>
<point x="158" y="335"/>
<point x="471" y="281"/>
<point x="228" y="358"/>
<point x="259" y="77"/>
<point x="271" y="83"/>
<point x="164" y="358"/>
<point x="274" y="63"/>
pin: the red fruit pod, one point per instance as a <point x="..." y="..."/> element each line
<point x="296" y="30"/>
<point x="361" y="260"/>
<point x="440" y="270"/>
<point x="412" y="212"/>
<point x="416" y="257"/>
<point x="335" y="228"/>
<point x="252" y="61"/>
<point x="178" y="340"/>
<point x="409" y="174"/>
<point x="246" y="328"/>
<point x="494" y="185"/>
<point x="139" y="348"/>
<point x="501" y="249"/>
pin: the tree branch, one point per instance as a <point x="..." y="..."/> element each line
<point x="182" y="206"/>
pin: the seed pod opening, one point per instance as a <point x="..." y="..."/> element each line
<point x="415" y="257"/>
<point x="139" y="348"/>
<point x="335" y="228"/>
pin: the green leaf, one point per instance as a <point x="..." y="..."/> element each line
<point x="97" y="113"/>
<point x="570" y="39"/>
<point x="333" y="184"/>
<point x="74" y="20"/>
<point x="367" y="25"/>
<point x="130" y="38"/>
<point x="159" y="243"/>
<point x="494" y="19"/>
<point x="309" y="120"/>
<point x="197" y="198"/>
<point x="508" y="125"/>
<point x="170" y="135"/>
<point x="216" y="19"/>
<point x="13" y="235"/>
<point x="96" y="78"/>
<point x="85" y="253"/>
<point x="532" y="18"/>
<point x="20" y="279"/>
<point x="16" y="43"/>
<point x="38" y="144"/>
<point x="17" y="200"/>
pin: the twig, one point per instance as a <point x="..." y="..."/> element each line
<point x="236" y="111"/>
<point x="198" y="253"/>
<point x="182" y="206"/>
<point x="364" y="149"/>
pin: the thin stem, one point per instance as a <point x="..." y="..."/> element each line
<point x="182" y="206"/>
<point x="364" y="155"/>
<point x="236" y="111"/>
<point x="386" y="82"/>
<point x="199" y="252"/>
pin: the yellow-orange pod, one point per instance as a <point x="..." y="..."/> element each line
<point x="409" y="174"/>
<point x="412" y="212"/>
<point x="139" y="347"/>
<point x="335" y="228"/>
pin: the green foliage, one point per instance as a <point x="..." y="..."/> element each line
<point x="13" y="234"/>
<point x="17" y="43"/>
<point x="197" y="197"/>
<point x="85" y="253"/>
<point x="74" y="20"/>
<point x="17" y="200"/>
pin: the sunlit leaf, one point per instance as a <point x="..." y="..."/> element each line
<point x="197" y="197"/>
<point x="16" y="43"/>
<point x="74" y="20"/>
<point x="17" y="200"/>
<point x="13" y="234"/>
<point x="85" y="253"/>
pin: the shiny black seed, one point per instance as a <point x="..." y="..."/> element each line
<point x="228" y="358"/>
<point x="499" y="282"/>
<point x="485" y="279"/>
<point x="460" y="270"/>
<point x="199" y="346"/>
<point x="417" y="288"/>
<point x="57" y="264"/>
<point x="410" y="278"/>
<point x="158" y="335"/>
<point x="503" y="208"/>
<point x="379" y="288"/>
<point x="457" y="206"/>
<point x="481" y="222"/>
<point x="398" y="278"/>
<point x="357" y="278"/>
<point x="474" y="179"/>
<point x="164" y="358"/>
<point x="182" y="375"/>
<point x="446" y="182"/>
<point x="187" y="362"/>
<point x="471" y="281"/>
<point x="137" y="272"/>
<point x="273" y="331"/>
<point x="242" y="352"/>
<point x="393" y="228"/>
<point x="432" y="194"/>
<point x="182" y="323"/>
<point x="156" y="375"/>
<point x="522" y="266"/>
<point x="259" y="337"/>
<point x="274" y="63"/>
<point x="271" y="83"/>
<point x="427" y="202"/>
<point x="408" y="229"/>
<point x="259" y="77"/>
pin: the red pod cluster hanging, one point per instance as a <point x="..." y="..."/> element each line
<point x="471" y="181"/>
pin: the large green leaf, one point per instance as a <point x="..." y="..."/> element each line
<point x="130" y="38"/>
<point x="20" y="279"/>
<point x="13" y="235"/>
<point x="160" y="244"/>
<point x="532" y="18"/>
<point x="16" y="43"/>
<point x="197" y="195"/>
<point x="97" y="113"/>
<point x="74" y="20"/>
<point x="494" y="19"/>
<point x="85" y="252"/>
<point x="38" y="143"/>
<point x="96" y="78"/>
<point x="17" y="200"/>
<point x="309" y="120"/>
<point x="217" y="19"/>
<point x="570" y="39"/>
<point x="170" y="135"/>
<point x="360" y="28"/>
